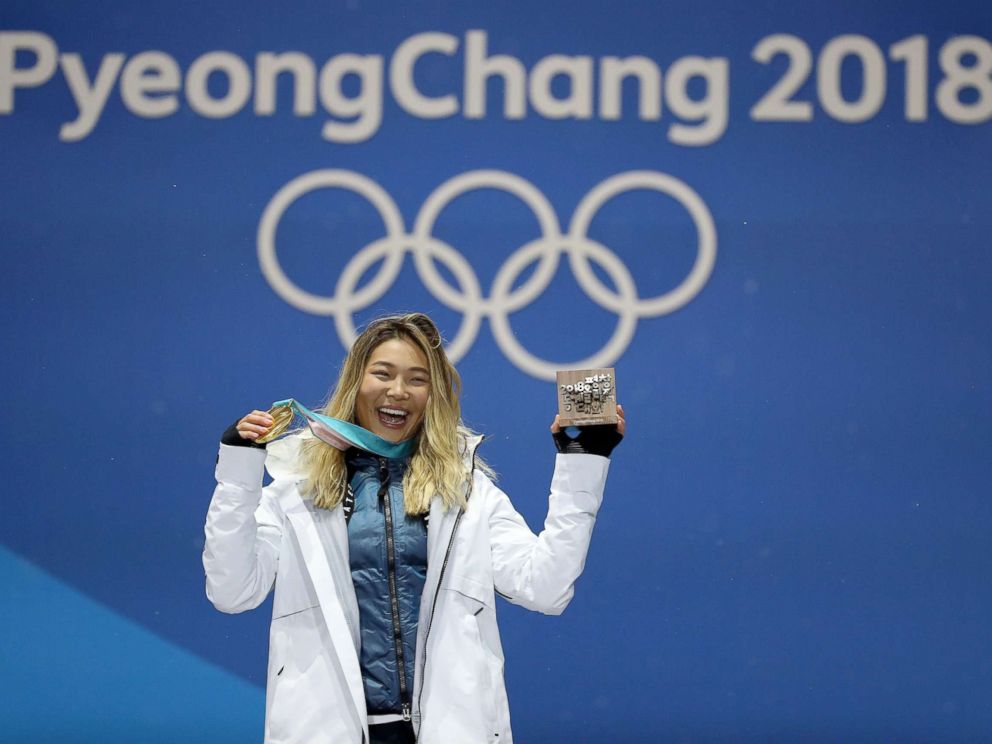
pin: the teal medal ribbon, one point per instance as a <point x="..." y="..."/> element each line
<point x="335" y="432"/>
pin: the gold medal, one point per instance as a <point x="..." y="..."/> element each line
<point x="282" y="417"/>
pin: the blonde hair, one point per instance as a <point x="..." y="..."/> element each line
<point x="437" y="464"/>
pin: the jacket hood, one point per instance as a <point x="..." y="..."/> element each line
<point x="282" y="457"/>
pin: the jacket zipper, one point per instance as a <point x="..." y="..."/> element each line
<point x="393" y="597"/>
<point x="437" y="589"/>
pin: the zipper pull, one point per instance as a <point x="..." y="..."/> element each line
<point x="383" y="478"/>
<point x="406" y="711"/>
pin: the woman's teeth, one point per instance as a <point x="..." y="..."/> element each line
<point x="392" y="416"/>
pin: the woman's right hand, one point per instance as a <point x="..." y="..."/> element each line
<point x="256" y="424"/>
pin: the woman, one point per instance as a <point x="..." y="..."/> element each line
<point x="385" y="569"/>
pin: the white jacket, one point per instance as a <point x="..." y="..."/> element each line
<point x="314" y="687"/>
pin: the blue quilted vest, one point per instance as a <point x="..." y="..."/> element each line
<point x="388" y="576"/>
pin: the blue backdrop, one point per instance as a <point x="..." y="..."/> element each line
<point x="771" y="218"/>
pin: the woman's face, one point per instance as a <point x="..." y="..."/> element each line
<point x="394" y="392"/>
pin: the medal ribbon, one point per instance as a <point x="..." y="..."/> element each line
<point x="338" y="433"/>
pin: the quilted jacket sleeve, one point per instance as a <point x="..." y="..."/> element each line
<point x="539" y="571"/>
<point x="243" y="533"/>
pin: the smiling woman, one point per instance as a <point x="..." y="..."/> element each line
<point x="394" y="392"/>
<point x="385" y="569"/>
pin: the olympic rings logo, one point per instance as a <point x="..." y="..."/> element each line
<point x="502" y="299"/>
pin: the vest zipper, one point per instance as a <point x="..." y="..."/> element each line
<point x="394" y="603"/>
